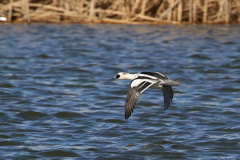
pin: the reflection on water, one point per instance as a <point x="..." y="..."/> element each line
<point x="58" y="99"/>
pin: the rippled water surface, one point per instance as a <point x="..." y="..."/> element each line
<point x="57" y="98"/>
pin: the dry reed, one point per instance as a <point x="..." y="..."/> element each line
<point x="122" y="11"/>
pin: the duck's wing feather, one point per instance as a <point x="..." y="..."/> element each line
<point x="168" y="96"/>
<point x="137" y="87"/>
<point x="154" y="74"/>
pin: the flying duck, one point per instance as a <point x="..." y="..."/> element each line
<point x="142" y="81"/>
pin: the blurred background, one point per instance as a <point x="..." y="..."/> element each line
<point x="121" y="11"/>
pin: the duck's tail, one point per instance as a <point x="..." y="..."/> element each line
<point x="170" y="82"/>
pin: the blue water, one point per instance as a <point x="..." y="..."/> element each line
<point x="58" y="101"/>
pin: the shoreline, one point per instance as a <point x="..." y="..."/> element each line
<point x="122" y="11"/>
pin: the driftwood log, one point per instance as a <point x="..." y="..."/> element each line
<point x="121" y="11"/>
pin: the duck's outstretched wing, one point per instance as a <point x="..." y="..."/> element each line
<point x="167" y="95"/>
<point x="137" y="87"/>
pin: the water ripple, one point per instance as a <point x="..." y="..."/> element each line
<point x="58" y="99"/>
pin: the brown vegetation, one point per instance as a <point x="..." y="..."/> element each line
<point x="122" y="11"/>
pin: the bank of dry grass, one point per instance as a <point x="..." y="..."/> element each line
<point x="121" y="11"/>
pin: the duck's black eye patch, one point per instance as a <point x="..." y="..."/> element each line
<point x="117" y="76"/>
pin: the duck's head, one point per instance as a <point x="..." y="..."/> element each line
<point x="124" y="75"/>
